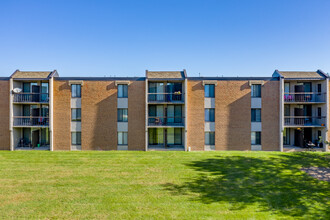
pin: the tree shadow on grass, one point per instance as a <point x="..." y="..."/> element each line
<point x="274" y="183"/>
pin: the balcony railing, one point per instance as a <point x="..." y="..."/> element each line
<point x="304" y="97"/>
<point x="166" y="121"/>
<point x="31" y="121"/>
<point x="304" y="121"/>
<point x="31" y="97"/>
<point x="165" y="97"/>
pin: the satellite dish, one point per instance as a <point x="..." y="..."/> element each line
<point x="17" y="90"/>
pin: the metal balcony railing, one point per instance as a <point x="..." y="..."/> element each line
<point x="31" y="121"/>
<point x="166" y="121"/>
<point x="304" y="120"/>
<point x="304" y="97"/>
<point x="31" y="97"/>
<point x="165" y="97"/>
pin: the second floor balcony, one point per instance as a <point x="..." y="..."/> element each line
<point x="30" y="121"/>
<point x="166" y="97"/>
<point x="166" y="121"/>
<point x="31" y="98"/>
<point x="304" y="121"/>
<point x="305" y="97"/>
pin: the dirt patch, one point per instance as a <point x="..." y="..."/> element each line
<point x="321" y="173"/>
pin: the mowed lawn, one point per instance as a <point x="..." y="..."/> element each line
<point x="162" y="185"/>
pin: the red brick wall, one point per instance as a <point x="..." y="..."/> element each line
<point x="62" y="115"/>
<point x="4" y="115"/>
<point x="270" y="135"/>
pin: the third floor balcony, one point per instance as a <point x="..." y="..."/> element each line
<point x="31" y="98"/>
<point x="305" y="97"/>
<point x="176" y="97"/>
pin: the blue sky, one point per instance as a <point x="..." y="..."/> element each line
<point x="124" y="38"/>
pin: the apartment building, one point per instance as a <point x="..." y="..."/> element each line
<point x="164" y="110"/>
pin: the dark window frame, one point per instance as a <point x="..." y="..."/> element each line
<point x="76" y="117"/>
<point x="78" y="137"/>
<point x="75" y="92"/>
<point x="120" y="117"/>
<point x="211" y="139"/>
<point x="211" y="114"/>
<point x="256" y="90"/>
<point x="209" y="90"/>
<point x="124" y="88"/>
<point x="254" y="114"/>
<point x="258" y="138"/>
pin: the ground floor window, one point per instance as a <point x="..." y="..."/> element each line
<point x="256" y="138"/>
<point x="174" y="136"/>
<point x="286" y="136"/>
<point x="76" y="138"/>
<point x="209" y="138"/>
<point x="122" y="138"/>
<point x="156" y="136"/>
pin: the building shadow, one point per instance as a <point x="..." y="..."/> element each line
<point x="275" y="183"/>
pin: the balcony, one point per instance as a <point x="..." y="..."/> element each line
<point x="305" y="97"/>
<point x="166" y="121"/>
<point x="176" y="97"/>
<point x="28" y="121"/>
<point x="31" y="98"/>
<point x="304" y="121"/>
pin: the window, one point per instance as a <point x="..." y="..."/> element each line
<point x="209" y="114"/>
<point x="286" y="110"/>
<point x="256" y="91"/>
<point x="319" y="88"/>
<point x="286" y="136"/>
<point x="319" y="135"/>
<point x="76" y="91"/>
<point x="122" y="91"/>
<point x="256" y="138"/>
<point x="76" y="138"/>
<point x="319" y="112"/>
<point x="256" y="115"/>
<point x="174" y="136"/>
<point x="122" y="115"/>
<point x="209" y="90"/>
<point x="209" y="138"/>
<point x="76" y="114"/>
<point x="122" y="138"/>
<point x="286" y="87"/>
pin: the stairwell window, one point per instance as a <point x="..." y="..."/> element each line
<point x="255" y="115"/>
<point x="76" y="138"/>
<point x="122" y="138"/>
<point x="76" y="114"/>
<point x="256" y="138"/>
<point x="256" y="91"/>
<point x="122" y="91"/>
<point x="76" y="91"/>
<point x="122" y="115"/>
<point x="209" y="138"/>
<point x="209" y="90"/>
<point x="209" y="114"/>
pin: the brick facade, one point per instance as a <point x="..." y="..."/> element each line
<point x="136" y="115"/>
<point x="62" y="115"/>
<point x="195" y="108"/>
<point x="270" y="116"/>
<point x="4" y="115"/>
<point x="233" y="115"/>
<point x="99" y="115"/>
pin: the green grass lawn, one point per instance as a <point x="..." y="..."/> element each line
<point x="162" y="185"/>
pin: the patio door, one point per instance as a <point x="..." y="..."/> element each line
<point x="35" y="138"/>
<point x="298" y="138"/>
